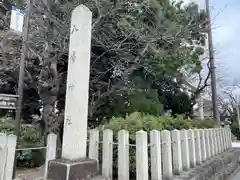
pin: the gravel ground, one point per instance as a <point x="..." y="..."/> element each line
<point x="30" y="174"/>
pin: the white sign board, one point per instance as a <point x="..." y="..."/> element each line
<point x="8" y="101"/>
<point x="17" y="19"/>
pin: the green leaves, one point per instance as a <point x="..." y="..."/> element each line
<point x="153" y="38"/>
<point x="30" y="137"/>
<point x="140" y="121"/>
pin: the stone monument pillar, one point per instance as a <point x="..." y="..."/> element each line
<point x="74" y="165"/>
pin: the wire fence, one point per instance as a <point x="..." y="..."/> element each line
<point x="33" y="174"/>
<point x="33" y="148"/>
<point x="167" y="146"/>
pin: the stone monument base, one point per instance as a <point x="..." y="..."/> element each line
<point x="61" y="169"/>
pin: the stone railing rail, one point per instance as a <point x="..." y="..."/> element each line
<point x="171" y="152"/>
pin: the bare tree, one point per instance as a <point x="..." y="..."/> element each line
<point x="125" y="34"/>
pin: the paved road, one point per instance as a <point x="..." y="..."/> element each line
<point x="237" y="177"/>
<point x="236" y="145"/>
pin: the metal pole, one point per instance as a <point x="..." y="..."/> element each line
<point x="212" y="66"/>
<point x="21" y="72"/>
<point x="238" y="116"/>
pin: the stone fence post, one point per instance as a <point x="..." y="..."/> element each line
<point x="51" y="151"/>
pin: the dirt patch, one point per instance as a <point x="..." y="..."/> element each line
<point x="30" y="174"/>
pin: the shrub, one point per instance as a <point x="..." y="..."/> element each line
<point x="140" y="121"/>
<point x="30" y="136"/>
<point x="235" y="130"/>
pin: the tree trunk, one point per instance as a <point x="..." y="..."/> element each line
<point x="49" y="81"/>
<point x="49" y="108"/>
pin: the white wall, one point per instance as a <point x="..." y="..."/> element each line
<point x="201" y="3"/>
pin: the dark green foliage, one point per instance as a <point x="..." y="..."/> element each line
<point x="137" y="50"/>
<point x="235" y="130"/>
<point x="30" y="137"/>
<point x="145" y="102"/>
<point x="119" y="105"/>
<point x="31" y="99"/>
<point x="141" y="121"/>
<point x="31" y="105"/>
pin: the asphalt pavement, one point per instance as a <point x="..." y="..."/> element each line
<point x="236" y="177"/>
<point x="236" y="145"/>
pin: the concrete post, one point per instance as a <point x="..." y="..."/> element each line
<point x="185" y="149"/>
<point x="198" y="152"/>
<point x="166" y="155"/>
<point x="123" y="155"/>
<point x="177" y="155"/>
<point x="142" y="155"/>
<point x="156" y="155"/>
<point x="192" y="151"/>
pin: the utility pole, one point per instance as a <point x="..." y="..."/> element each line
<point x="21" y="72"/>
<point x="238" y="116"/>
<point x="22" y="68"/>
<point x="212" y="65"/>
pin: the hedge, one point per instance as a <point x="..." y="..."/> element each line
<point x="30" y="136"/>
<point x="140" y="121"/>
<point x="235" y="130"/>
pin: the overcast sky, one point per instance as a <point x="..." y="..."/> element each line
<point x="226" y="25"/>
<point x="226" y="36"/>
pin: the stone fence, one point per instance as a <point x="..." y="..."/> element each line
<point x="8" y="150"/>
<point x="172" y="153"/>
